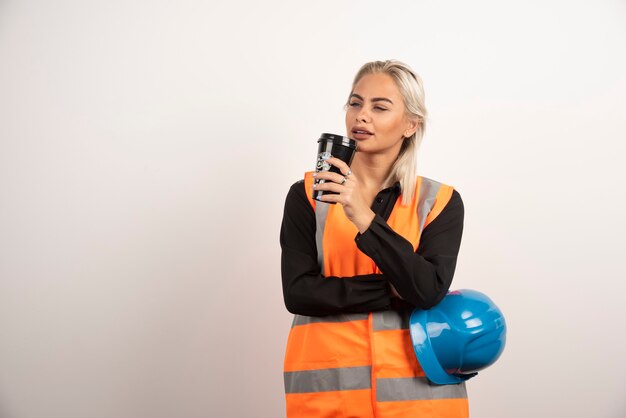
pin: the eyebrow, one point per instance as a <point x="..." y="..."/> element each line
<point x="375" y="99"/>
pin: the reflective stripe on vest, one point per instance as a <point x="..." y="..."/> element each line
<point x="354" y="378"/>
<point x="326" y="380"/>
<point x="383" y="321"/>
<point x="305" y="320"/>
<point x="415" y="389"/>
<point x="332" y="360"/>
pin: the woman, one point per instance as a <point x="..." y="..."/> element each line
<point x="388" y="245"/>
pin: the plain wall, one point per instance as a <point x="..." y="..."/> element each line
<point x="146" y="148"/>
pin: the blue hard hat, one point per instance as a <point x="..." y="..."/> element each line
<point x="462" y="334"/>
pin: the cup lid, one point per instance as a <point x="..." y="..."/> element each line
<point x="338" y="140"/>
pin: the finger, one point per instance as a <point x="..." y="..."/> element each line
<point x="341" y="165"/>
<point x="331" y="198"/>
<point x="329" y="176"/>
<point x="330" y="187"/>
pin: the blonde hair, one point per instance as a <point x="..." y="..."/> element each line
<point x="404" y="169"/>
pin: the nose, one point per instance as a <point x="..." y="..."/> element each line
<point x="362" y="116"/>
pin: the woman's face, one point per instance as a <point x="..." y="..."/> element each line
<point x="376" y="115"/>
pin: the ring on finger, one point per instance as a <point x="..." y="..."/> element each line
<point x="348" y="173"/>
<point x="343" y="181"/>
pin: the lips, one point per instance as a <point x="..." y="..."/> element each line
<point x="361" y="133"/>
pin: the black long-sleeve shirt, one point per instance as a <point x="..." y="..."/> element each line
<point x="422" y="277"/>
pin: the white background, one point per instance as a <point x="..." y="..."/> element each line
<point x="146" y="148"/>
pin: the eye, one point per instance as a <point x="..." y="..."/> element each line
<point x="380" y="108"/>
<point x="354" y="104"/>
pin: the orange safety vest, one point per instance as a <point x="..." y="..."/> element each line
<point x="363" y="365"/>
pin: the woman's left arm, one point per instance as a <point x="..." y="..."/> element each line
<point x="422" y="277"/>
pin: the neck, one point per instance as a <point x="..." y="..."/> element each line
<point x="372" y="169"/>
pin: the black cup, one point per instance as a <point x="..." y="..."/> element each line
<point x="330" y="145"/>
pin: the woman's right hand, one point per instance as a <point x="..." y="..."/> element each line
<point x="349" y="193"/>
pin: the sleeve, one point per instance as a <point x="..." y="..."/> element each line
<point x="306" y="291"/>
<point x="422" y="277"/>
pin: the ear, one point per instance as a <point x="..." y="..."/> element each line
<point x="412" y="125"/>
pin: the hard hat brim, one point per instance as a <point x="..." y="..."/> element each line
<point x="425" y="353"/>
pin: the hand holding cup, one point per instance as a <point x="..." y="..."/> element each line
<point x="346" y="190"/>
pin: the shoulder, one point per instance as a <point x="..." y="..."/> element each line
<point x="302" y="190"/>
<point x="453" y="208"/>
<point x="296" y="191"/>
<point x="298" y="215"/>
<point x="427" y="181"/>
<point x="438" y="186"/>
<point x="440" y="200"/>
<point x="296" y="202"/>
<point x="455" y="202"/>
